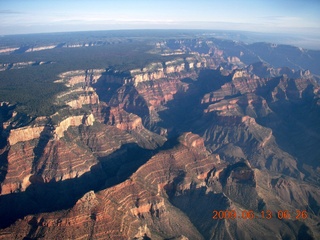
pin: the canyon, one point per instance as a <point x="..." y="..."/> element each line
<point x="151" y="152"/>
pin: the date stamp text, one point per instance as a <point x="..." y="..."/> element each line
<point x="267" y="214"/>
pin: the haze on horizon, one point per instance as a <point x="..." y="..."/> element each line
<point x="273" y="16"/>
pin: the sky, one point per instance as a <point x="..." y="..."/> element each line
<point x="276" y="16"/>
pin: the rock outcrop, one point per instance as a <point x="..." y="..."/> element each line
<point x="87" y="99"/>
<point x="7" y="50"/>
<point x="123" y="120"/>
<point x="24" y="134"/>
<point x="125" y="210"/>
<point x="34" y="49"/>
<point x="192" y="140"/>
<point x="73" y="121"/>
<point x="19" y="168"/>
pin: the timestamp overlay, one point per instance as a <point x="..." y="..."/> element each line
<point x="265" y="214"/>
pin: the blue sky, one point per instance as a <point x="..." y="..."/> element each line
<point x="280" y="16"/>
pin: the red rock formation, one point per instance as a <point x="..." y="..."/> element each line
<point x="19" y="170"/>
<point x="24" y="134"/>
<point x="192" y="140"/>
<point x="135" y="208"/>
<point x="160" y="92"/>
<point x="87" y="99"/>
<point x="60" y="160"/>
<point x="176" y="190"/>
<point x="123" y="120"/>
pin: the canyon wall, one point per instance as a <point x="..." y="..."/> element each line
<point x="151" y="153"/>
<point x="73" y="121"/>
<point x="24" y="134"/>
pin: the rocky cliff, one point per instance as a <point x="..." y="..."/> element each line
<point x="87" y="99"/>
<point x="118" y="211"/>
<point x="73" y="121"/>
<point x="33" y="49"/>
<point x="24" y="134"/>
<point x="159" y="194"/>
